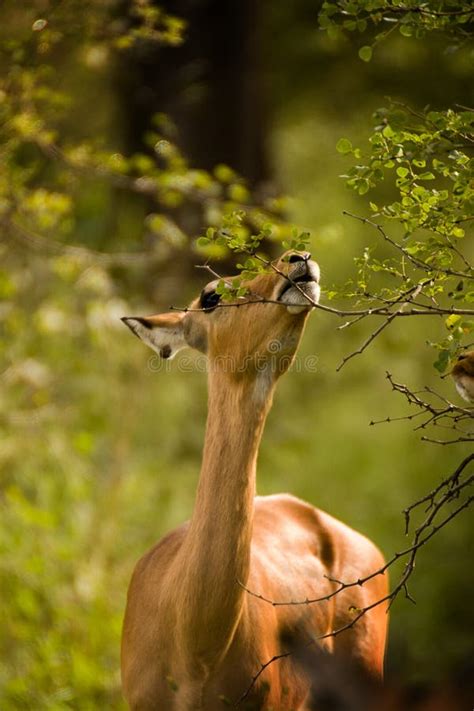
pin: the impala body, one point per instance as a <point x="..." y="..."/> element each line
<point x="194" y="637"/>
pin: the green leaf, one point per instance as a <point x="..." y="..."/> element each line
<point x="364" y="187"/>
<point x="224" y="173"/>
<point x="452" y="321"/>
<point x="402" y="172"/>
<point x="365" y="53"/>
<point x="406" y="30"/>
<point x="388" y="132"/>
<point x="325" y="22"/>
<point x="442" y="362"/>
<point x="238" y="193"/>
<point x="344" y="146"/>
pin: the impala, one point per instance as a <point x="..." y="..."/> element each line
<point x="194" y="638"/>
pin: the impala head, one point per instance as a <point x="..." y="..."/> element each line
<point x="248" y="336"/>
<point x="463" y="375"/>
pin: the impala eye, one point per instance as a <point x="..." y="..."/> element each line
<point x="209" y="300"/>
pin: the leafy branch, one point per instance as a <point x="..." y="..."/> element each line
<point x="42" y="197"/>
<point x="451" y="18"/>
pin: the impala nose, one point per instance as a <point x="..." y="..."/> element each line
<point x="300" y="257"/>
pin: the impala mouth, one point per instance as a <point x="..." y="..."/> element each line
<point x="300" y="290"/>
<point x="303" y="279"/>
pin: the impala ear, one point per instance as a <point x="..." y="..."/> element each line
<point x="163" y="332"/>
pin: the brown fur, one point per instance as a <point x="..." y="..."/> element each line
<point x="193" y="638"/>
<point x="463" y="374"/>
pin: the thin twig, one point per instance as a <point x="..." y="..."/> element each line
<point x="415" y="291"/>
<point x="414" y="260"/>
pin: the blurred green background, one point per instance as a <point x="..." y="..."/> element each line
<point x="99" y="454"/>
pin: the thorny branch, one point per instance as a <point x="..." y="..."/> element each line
<point x="358" y="314"/>
<point x="423" y="10"/>
<point x="444" y="415"/>
<point x="379" y="311"/>
<point x="408" y="298"/>
<point x="446" y="492"/>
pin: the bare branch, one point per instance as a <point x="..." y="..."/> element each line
<point x="430" y="497"/>
<point x="447" y="441"/>
<point x="446" y="416"/>
<point x="415" y="292"/>
<point x="383" y="311"/>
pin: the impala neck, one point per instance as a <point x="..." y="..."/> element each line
<point x="217" y="546"/>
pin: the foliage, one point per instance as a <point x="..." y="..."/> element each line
<point x="412" y="143"/>
<point x="90" y="433"/>
<point x="428" y="155"/>
<point x="44" y="172"/>
<point x="451" y="18"/>
<point x="54" y="548"/>
<point x="233" y="236"/>
<point x="62" y="618"/>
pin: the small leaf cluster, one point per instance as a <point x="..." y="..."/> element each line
<point x="423" y="159"/>
<point x="410" y="18"/>
<point x="151" y="25"/>
<point x="429" y="156"/>
<point x="234" y="235"/>
<point x="458" y="328"/>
